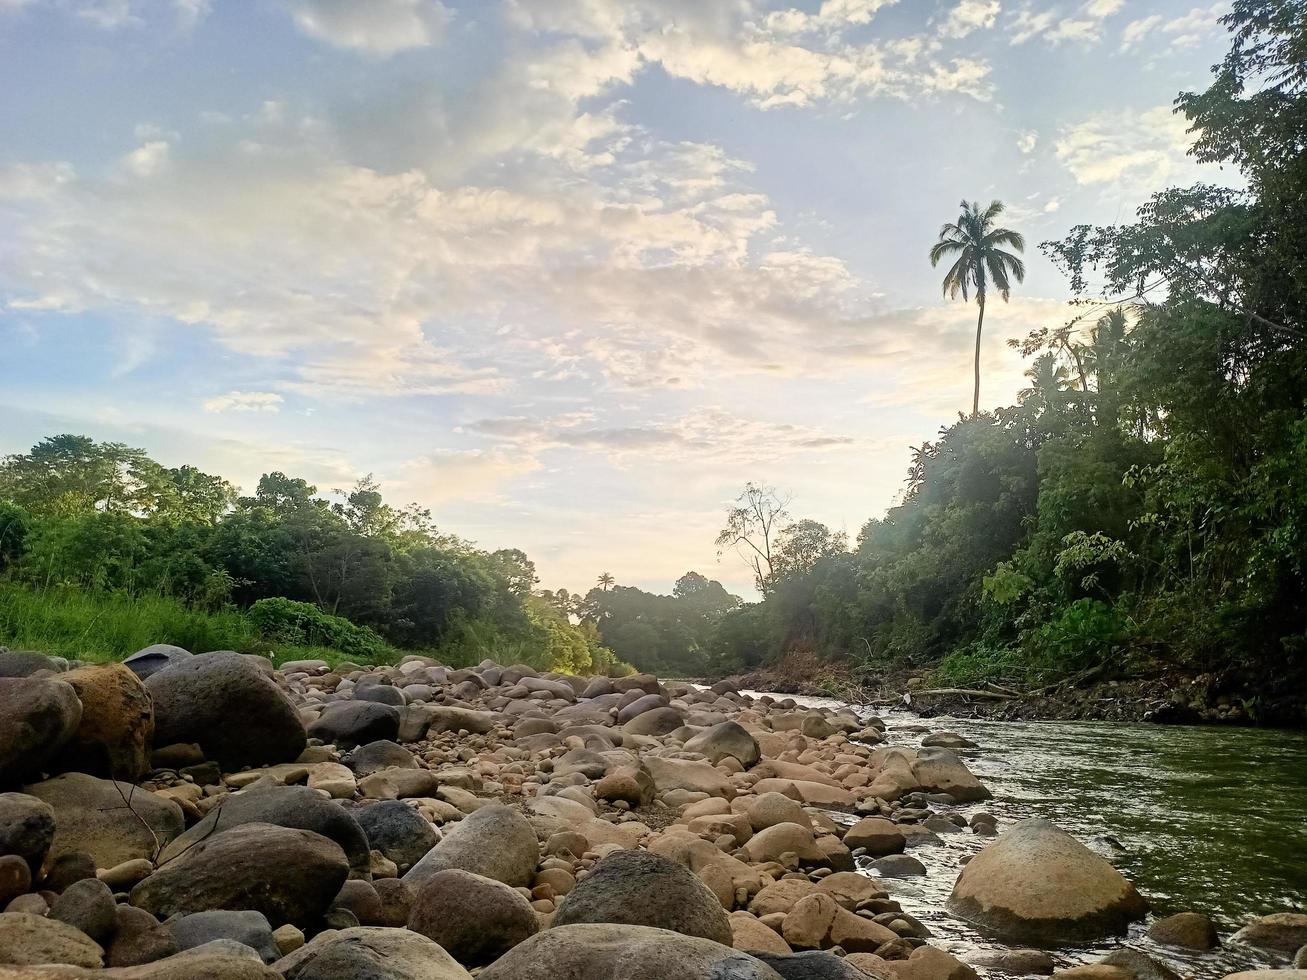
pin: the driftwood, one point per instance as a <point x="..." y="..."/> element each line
<point x="965" y="692"/>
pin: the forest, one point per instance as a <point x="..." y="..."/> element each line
<point x="1143" y="505"/>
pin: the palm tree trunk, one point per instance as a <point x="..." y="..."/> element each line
<point x="980" y="322"/>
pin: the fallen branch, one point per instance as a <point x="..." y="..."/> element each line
<point x="966" y="692"/>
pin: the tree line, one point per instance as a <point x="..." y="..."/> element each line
<point x="1144" y="504"/>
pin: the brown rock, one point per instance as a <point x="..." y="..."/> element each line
<point x="116" y="733"/>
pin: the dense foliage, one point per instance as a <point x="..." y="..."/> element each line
<point x="1146" y="502"/>
<point x="354" y="575"/>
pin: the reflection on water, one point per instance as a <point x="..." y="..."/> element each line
<point x="1211" y="820"/>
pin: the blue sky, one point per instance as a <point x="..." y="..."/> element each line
<point x="569" y="272"/>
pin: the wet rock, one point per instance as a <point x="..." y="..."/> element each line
<point x="474" y="919"/>
<point x="370" y="953"/>
<point x="495" y="842"/>
<point x="32" y="940"/>
<point x="1295" y="974"/>
<point x="227" y="705"/>
<point x="288" y="875"/>
<point x="152" y="659"/>
<point x="242" y="926"/>
<point x="111" y="821"/>
<point x="644" y="889"/>
<point x="898" y="866"/>
<point x="948" y="740"/>
<point x="1283" y="931"/>
<point x="26" y="828"/>
<point x="398" y="831"/>
<point x="351" y="723"/>
<point x="88" y="906"/>
<point x="295" y="807"/>
<point x="928" y="963"/>
<point x="1188" y="930"/>
<point x="811" y="965"/>
<point x="1139" y="965"/>
<point x="116" y="731"/>
<point x="619" y="952"/>
<point x="1017" y="962"/>
<point x="37" y="716"/>
<point x="1036" y="883"/>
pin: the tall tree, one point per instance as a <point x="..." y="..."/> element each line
<point x="606" y="580"/>
<point x="751" y="529"/>
<point x="981" y="262"/>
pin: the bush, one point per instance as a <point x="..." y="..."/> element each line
<point x="304" y="624"/>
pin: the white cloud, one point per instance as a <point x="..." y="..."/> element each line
<point x="148" y="159"/>
<point x="113" y="15"/>
<point x="379" y="27"/>
<point x="1135" y="151"/>
<point x="1027" y="141"/>
<point x="245" y="401"/>
<point x="1058" y="25"/>
<point x="459" y="474"/>
<point x="969" y="16"/>
<point x="1185" y="31"/>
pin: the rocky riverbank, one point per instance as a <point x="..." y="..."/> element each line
<point x="209" y="816"/>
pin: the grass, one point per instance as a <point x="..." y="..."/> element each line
<point x="103" y="627"/>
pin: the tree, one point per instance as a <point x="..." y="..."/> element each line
<point x="802" y="544"/>
<point x="606" y="581"/>
<point x="981" y="262"/>
<point x="751" y="528"/>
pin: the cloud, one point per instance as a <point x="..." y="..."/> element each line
<point x="1027" y="141"/>
<point x="1057" y="25"/>
<point x="379" y="27"/>
<point x="458" y="474"/>
<point x="1137" y="151"/>
<point x="969" y="16"/>
<point x="114" y="15"/>
<point x="245" y="401"/>
<point x="1184" y="31"/>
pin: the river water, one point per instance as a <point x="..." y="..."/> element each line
<point x="1202" y="819"/>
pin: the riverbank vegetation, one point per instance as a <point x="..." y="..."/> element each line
<point x="103" y="551"/>
<point x="1145" y="502"/>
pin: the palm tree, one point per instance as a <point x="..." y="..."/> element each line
<point x="980" y="262"/>
<point x="606" y="580"/>
<point x="1048" y="384"/>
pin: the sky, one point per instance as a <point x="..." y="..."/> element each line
<point x="567" y="272"/>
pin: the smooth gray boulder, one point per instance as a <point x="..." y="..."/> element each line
<point x="398" y="831"/>
<point x="727" y="739"/>
<point x="35" y="940"/>
<point x="494" y="841"/>
<point x="227" y="705"/>
<point x="475" y="919"/>
<point x="152" y="659"/>
<point x="26" y="828"/>
<point x="37" y="716"/>
<point x="370" y="953"/>
<point x="243" y="926"/>
<point x="347" y="724"/>
<point x="111" y="821"/>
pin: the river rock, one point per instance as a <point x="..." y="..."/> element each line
<point x="295" y="807"/>
<point x="228" y="706"/>
<point x="810" y="964"/>
<point x="620" y="952"/>
<point x="819" y="922"/>
<point x="770" y="809"/>
<point x="246" y="927"/>
<point x="877" y="836"/>
<point x="475" y="919"/>
<point x="398" y="831"/>
<point x="25" y="663"/>
<point x="111" y="821"/>
<point x="138" y="938"/>
<point x="753" y="936"/>
<point x="1188" y="930"/>
<point x="288" y="875"/>
<point x="1037" y="883"/>
<point x="1139" y="965"/>
<point x="1283" y="931"/>
<point x="494" y="842"/>
<point x="928" y="963"/>
<point x="939" y="770"/>
<point x="351" y="723"/>
<point x="379" y="755"/>
<point x="87" y="906"/>
<point x="26" y="828"/>
<point x="1296" y="974"/>
<point x="948" y="740"/>
<point x="370" y="953"/>
<point x="454" y="719"/>
<point x="37" y="716"/>
<point x="152" y="659"/>
<point x="116" y="732"/>
<point x="727" y="739"/>
<point x="644" y="889"/>
<point x="898" y="866"/>
<point x="1017" y="962"/>
<point x="769" y="844"/>
<point x="33" y="940"/>
<point x="695" y="777"/>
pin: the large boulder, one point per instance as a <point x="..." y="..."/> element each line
<point x="151" y="660"/>
<point x="213" y="961"/>
<point x="1039" y="884"/>
<point x="811" y="965"/>
<point x="116" y="732"/>
<point x="726" y="739"/>
<point x="1283" y="931"/>
<point x="246" y="927"/>
<point x="351" y="723"/>
<point x="26" y="829"/>
<point x="475" y="919"/>
<point x="398" y="831"/>
<point x="295" y="807"/>
<point x="370" y="953"/>
<point x="694" y="777"/>
<point x="877" y="836"/>
<point x="229" y="707"/>
<point x="37" y="716"/>
<point x="111" y="821"/>
<point x="622" y="952"/>
<point x="32" y="940"/>
<point x="644" y="889"/>
<point x="939" y="770"/>
<point x="288" y="875"/>
<point x="494" y="842"/>
<point x="1188" y="930"/>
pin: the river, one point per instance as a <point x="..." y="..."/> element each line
<point x="1202" y="819"/>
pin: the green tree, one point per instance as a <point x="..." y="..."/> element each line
<point x="981" y="262"/>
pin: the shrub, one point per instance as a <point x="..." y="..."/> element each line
<point x="304" y="624"/>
